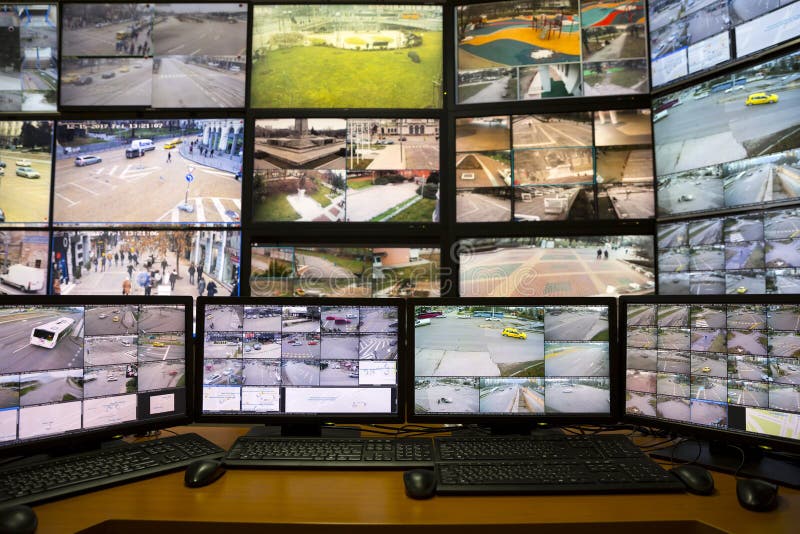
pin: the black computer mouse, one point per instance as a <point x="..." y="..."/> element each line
<point x="18" y="519"/>
<point x="420" y="483"/>
<point x="697" y="479"/>
<point x="757" y="495"/>
<point x="202" y="473"/>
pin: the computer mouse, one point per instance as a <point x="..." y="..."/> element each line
<point x="697" y="479"/>
<point x="18" y="519"/>
<point x="420" y="483"/>
<point x="757" y="495"/>
<point x="202" y="473"/>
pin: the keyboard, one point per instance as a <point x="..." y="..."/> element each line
<point x="330" y="453"/>
<point x="72" y="474"/>
<point x="547" y="464"/>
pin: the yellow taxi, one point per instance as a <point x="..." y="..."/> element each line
<point x="761" y="98"/>
<point x="513" y="332"/>
<point x="159" y="344"/>
<point x="173" y="144"/>
<point x="706" y="369"/>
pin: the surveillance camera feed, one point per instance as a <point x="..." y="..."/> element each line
<point x="25" y="167"/>
<point x="509" y="51"/>
<point x="172" y="55"/>
<point x="23" y="262"/>
<point x="511" y="360"/>
<point x="556" y="266"/>
<point x="189" y="171"/>
<point x="729" y="366"/>
<point x="72" y="369"/>
<point x="729" y="142"/>
<point x="332" y="170"/>
<point x="694" y="36"/>
<point x="284" y="271"/>
<point x="142" y="262"/>
<point x="285" y="359"/>
<point x="749" y="253"/>
<point x="373" y="56"/>
<point x="28" y="57"/>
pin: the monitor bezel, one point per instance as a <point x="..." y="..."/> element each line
<point x="694" y="430"/>
<point x="88" y="437"/>
<point x="273" y="418"/>
<point x="515" y="420"/>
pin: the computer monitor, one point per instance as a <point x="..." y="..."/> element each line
<point x="300" y="363"/>
<point x="514" y="362"/>
<point x="76" y="370"/>
<point x="723" y="368"/>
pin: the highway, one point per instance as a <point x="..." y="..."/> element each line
<point x="576" y="325"/>
<point x="118" y="82"/>
<point x="180" y="83"/>
<point x="52" y="386"/>
<point x="20" y="356"/>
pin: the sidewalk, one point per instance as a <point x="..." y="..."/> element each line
<point x="226" y="162"/>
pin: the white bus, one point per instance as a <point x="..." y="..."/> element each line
<point x="49" y="334"/>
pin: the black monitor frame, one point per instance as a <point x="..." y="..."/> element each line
<point x="294" y="423"/>
<point x="515" y="423"/>
<point x="65" y="443"/>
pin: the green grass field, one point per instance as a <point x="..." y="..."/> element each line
<point x="274" y="208"/>
<point x="420" y="211"/>
<point x="291" y="77"/>
<point x="355" y="266"/>
<point x="358" y="184"/>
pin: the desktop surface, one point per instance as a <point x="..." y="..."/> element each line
<point x="308" y="501"/>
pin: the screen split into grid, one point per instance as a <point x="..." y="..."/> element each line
<point x="303" y="359"/>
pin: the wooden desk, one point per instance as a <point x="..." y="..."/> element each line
<point x="309" y="501"/>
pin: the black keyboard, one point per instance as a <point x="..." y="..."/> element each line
<point x="547" y="464"/>
<point x="59" y="477"/>
<point x="330" y="453"/>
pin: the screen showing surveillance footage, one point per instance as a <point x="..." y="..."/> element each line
<point x="26" y="149"/>
<point x="28" y="58"/>
<point x="372" y="56"/>
<point x="23" y="257"/>
<point x="728" y="366"/>
<point x="285" y="359"/>
<point x="511" y="360"/>
<point x="510" y="51"/>
<point x="149" y="171"/>
<point x="171" y="55"/>
<point x="72" y="369"/>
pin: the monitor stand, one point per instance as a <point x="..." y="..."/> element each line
<point x="304" y="430"/>
<point x="719" y="456"/>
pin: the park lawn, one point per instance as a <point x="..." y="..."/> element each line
<point x="289" y="78"/>
<point x="626" y="78"/>
<point x="601" y="336"/>
<point x="359" y="184"/>
<point x="421" y="211"/>
<point x="83" y="141"/>
<point x="358" y="165"/>
<point x="467" y="91"/>
<point x="274" y="208"/>
<point x="319" y="196"/>
<point x="357" y="267"/>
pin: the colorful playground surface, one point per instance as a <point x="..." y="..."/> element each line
<point x="602" y="13"/>
<point x="520" y="41"/>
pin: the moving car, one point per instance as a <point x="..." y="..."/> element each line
<point x="706" y="369"/>
<point x="27" y="172"/>
<point x="83" y="80"/>
<point x="24" y="163"/>
<point x="513" y="332"/>
<point x="80" y="161"/>
<point x="159" y="344"/>
<point x="761" y="98"/>
<point x="107" y="75"/>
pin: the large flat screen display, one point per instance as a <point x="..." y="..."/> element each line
<point x="164" y="55"/>
<point x="719" y="364"/>
<point x="76" y="368"/>
<point x="149" y="171"/>
<point x="26" y="149"/>
<point x="357" y="170"/>
<point x="510" y="51"/>
<point x="347" y="56"/>
<point x="512" y="358"/>
<point x="579" y="266"/>
<point x="28" y="57"/>
<point x="554" y="166"/>
<point x="330" y="271"/>
<point x="305" y="359"/>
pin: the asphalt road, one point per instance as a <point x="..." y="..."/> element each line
<point x="785" y="370"/>
<point x="575" y="398"/>
<point x="131" y="88"/>
<point x="782" y="224"/>
<point x="575" y="325"/>
<point x="642" y="337"/>
<point x="161" y="319"/>
<point x="53" y="386"/>
<point x="718" y="365"/>
<point x="199" y="36"/>
<point x="745" y="341"/>
<point x="745" y="228"/>
<point x="644" y="359"/>
<point x="377" y="347"/>
<point x="182" y="84"/>
<point x="784" y="318"/>
<point x="709" y="413"/>
<point x="641" y="403"/>
<point x="708" y="317"/>
<point x="674" y="362"/>
<point x="673" y="315"/>
<point x="160" y="375"/>
<point x="637" y="380"/>
<point x="100" y="320"/>
<point x="680" y="194"/>
<point x="744" y="256"/>
<point x="744" y="10"/>
<point x="480" y="135"/>
<point x="673" y="339"/>
<point x="94" y="41"/>
<point x="672" y="235"/>
<point x="707" y="258"/>
<point x="748" y="187"/>
<point x="331" y="376"/>
<point x="576" y="359"/>
<point x="707" y="23"/>
<point x="303" y="346"/>
<point x="705" y="232"/>
<point x="781" y="254"/>
<point x="299" y="373"/>
<point x="222" y="350"/>
<point x="748" y="394"/>
<point x="20" y="356"/>
<point x="109" y="350"/>
<point x="672" y="408"/>
<point x="262" y="373"/>
<point x="784" y="398"/>
<point x="109" y="380"/>
<point x="531" y="131"/>
<point x="708" y="340"/>
<point x="25" y="199"/>
<point x="443" y="397"/>
<point x="711" y="389"/>
<point x="749" y="368"/>
<point x="641" y="314"/>
<point x="349" y="315"/>
<point x="224" y="319"/>
<point x="669" y="385"/>
<point x="263" y="324"/>
<point x="339" y="347"/>
<point x="785" y="344"/>
<point x="473" y="206"/>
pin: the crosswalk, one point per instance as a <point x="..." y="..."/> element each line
<point x="206" y="209"/>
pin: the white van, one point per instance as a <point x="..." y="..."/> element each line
<point x="144" y="144"/>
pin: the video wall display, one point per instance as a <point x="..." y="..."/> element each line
<point x="25" y="167"/>
<point x="347" y="56"/>
<point x="510" y="51"/>
<point x="330" y="271"/>
<point x="28" y="57"/>
<point x="556" y="266"/>
<point x="164" y="55"/>
<point x="191" y="170"/>
<point x="333" y="170"/>
<point x="521" y="360"/>
<point x="694" y="36"/>
<point x="730" y="366"/>
<point x="23" y="262"/>
<point x="71" y="369"/>
<point x="754" y="252"/>
<point x="729" y="142"/>
<point x="554" y="166"/>
<point x="143" y="262"/>
<point x="300" y="359"/>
